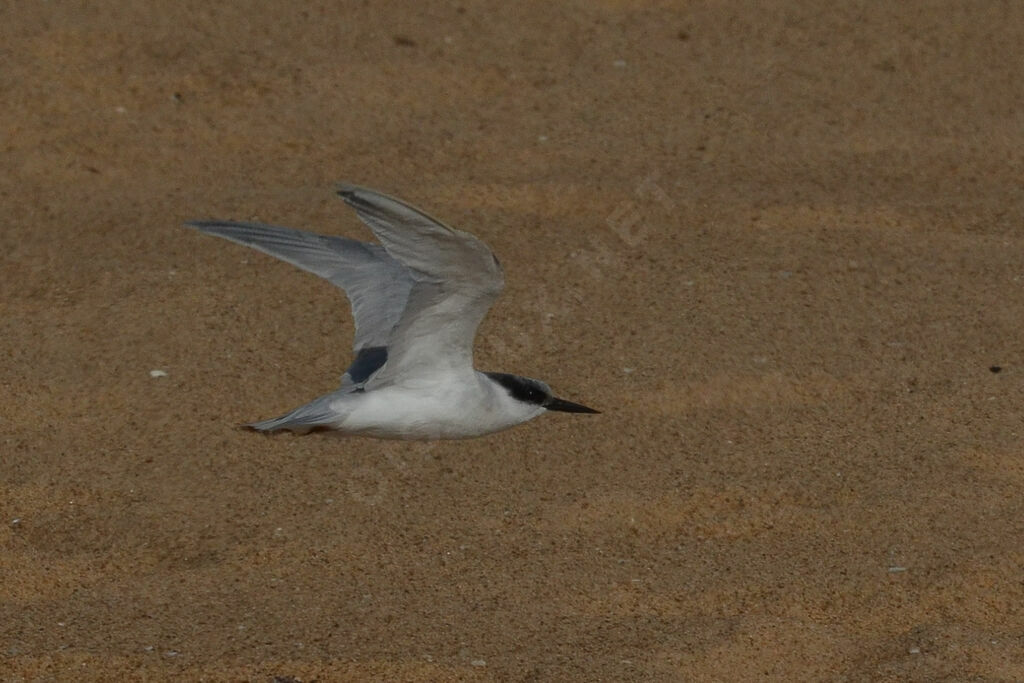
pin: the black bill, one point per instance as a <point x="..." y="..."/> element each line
<point x="568" y="406"/>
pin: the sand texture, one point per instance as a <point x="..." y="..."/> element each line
<point x="778" y="244"/>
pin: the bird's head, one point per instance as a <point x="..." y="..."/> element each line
<point x="535" y="392"/>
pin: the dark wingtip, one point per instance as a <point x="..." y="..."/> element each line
<point x="346" y="191"/>
<point x="350" y="195"/>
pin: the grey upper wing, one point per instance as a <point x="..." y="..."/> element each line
<point x="377" y="285"/>
<point x="456" y="280"/>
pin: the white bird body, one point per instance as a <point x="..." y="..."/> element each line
<point x="417" y="299"/>
<point x="422" y="409"/>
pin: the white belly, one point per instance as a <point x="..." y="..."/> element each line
<point x="445" y="410"/>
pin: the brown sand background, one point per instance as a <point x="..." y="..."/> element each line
<point x="780" y="248"/>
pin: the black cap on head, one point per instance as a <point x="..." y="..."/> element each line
<point x="532" y="391"/>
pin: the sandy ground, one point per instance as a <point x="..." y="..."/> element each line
<point x="780" y="249"/>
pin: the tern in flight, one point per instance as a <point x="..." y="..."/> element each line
<point x="417" y="299"/>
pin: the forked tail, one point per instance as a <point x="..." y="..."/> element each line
<point x="304" y="419"/>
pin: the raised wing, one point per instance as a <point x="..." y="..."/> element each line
<point x="377" y="285"/>
<point x="455" y="277"/>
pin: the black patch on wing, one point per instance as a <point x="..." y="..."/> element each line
<point x="520" y="388"/>
<point x="368" y="361"/>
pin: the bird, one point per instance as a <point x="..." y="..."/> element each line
<point x="417" y="298"/>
